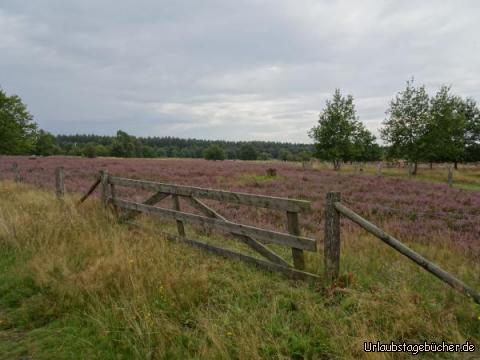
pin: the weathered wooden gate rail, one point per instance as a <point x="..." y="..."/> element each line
<point x="256" y="238"/>
<point x="334" y="208"/>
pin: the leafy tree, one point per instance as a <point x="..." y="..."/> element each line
<point x="365" y="145"/>
<point x="407" y="124"/>
<point x="472" y="130"/>
<point x="124" y="145"/>
<point x="264" y="156"/>
<point x="214" y="152"/>
<point x="45" y="144"/>
<point x="161" y="153"/>
<point x="445" y="139"/>
<point x="17" y="129"/>
<point x="304" y="155"/>
<point x="248" y="152"/>
<point x="90" y="150"/>
<point x="339" y="134"/>
<point x="284" y="155"/>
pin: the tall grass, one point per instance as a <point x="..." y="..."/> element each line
<point x="74" y="283"/>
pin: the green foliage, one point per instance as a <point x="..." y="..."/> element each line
<point x="304" y="156"/>
<point x="46" y="144"/>
<point x="365" y="147"/>
<point x="339" y="136"/>
<point x="445" y="138"/>
<point x="472" y="130"/>
<point x="407" y="123"/>
<point x="264" y="156"/>
<point x="284" y="155"/>
<point x="214" y="152"/>
<point x="442" y="128"/>
<point x="175" y="147"/>
<point x="17" y="129"/>
<point x="124" y="145"/>
<point x="90" y="150"/>
<point x="248" y="152"/>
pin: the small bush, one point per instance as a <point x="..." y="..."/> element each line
<point x="214" y="152"/>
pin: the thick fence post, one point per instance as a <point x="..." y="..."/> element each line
<point x="60" y="182"/>
<point x="450" y="176"/>
<point x="332" y="237"/>
<point x="294" y="229"/>
<point x="16" y="172"/>
<point x="104" y="183"/>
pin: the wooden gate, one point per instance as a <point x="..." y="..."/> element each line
<point x="256" y="238"/>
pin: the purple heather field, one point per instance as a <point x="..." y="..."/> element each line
<point x="413" y="211"/>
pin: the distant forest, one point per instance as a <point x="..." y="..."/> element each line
<point x="124" y="145"/>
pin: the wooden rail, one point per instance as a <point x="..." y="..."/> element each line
<point x="332" y="246"/>
<point x="269" y="202"/>
<point x="267" y="236"/>
<point x="286" y="270"/>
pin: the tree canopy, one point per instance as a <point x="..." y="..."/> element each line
<point x="444" y="127"/>
<point x="17" y="128"/>
<point x="406" y="124"/>
<point x="339" y="136"/>
<point x="214" y="152"/>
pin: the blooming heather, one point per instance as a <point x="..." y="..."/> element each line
<point x="411" y="210"/>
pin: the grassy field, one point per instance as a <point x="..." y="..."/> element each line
<point x="74" y="281"/>
<point x="466" y="177"/>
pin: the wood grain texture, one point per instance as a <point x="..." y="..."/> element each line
<point x="266" y="235"/>
<point x="332" y="237"/>
<point x="180" y="225"/>
<point x="104" y="187"/>
<point x="409" y="253"/>
<point x="288" y="271"/>
<point x="294" y="229"/>
<point x="220" y="195"/>
<point x="60" y="182"/>
<point x="262" y="250"/>
<point x="90" y="190"/>
<point x="208" y="211"/>
<point x="152" y="200"/>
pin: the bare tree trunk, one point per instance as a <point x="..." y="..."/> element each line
<point x="455" y="164"/>
<point x="415" y="168"/>
<point x="336" y="165"/>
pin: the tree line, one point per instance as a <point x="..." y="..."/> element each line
<point x="20" y="135"/>
<point x="418" y="128"/>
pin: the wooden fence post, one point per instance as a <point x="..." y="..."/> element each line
<point x="60" y="182"/>
<point x="450" y="176"/>
<point x="176" y="206"/>
<point x="104" y="183"/>
<point x="294" y="229"/>
<point x="332" y="237"/>
<point x="16" y="172"/>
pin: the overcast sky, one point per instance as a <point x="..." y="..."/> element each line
<point x="220" y="69"/>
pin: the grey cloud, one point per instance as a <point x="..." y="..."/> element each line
<point x="227" y="69"/>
